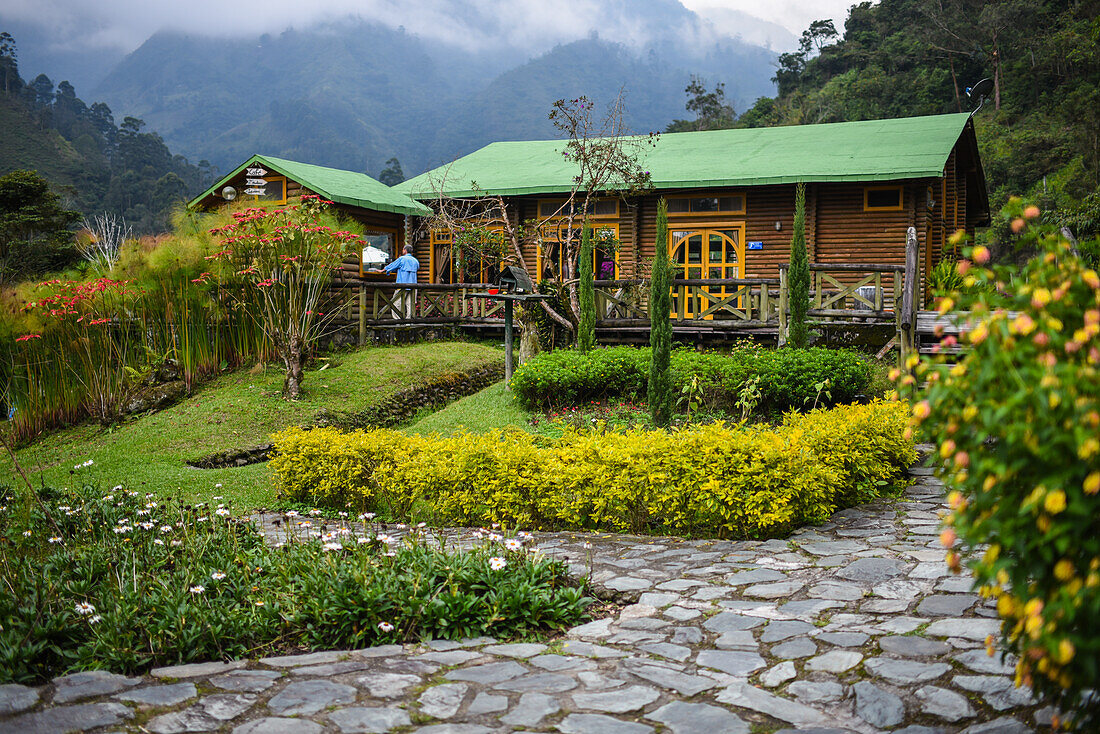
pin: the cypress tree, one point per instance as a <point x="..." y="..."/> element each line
<point x="660" y="326"/>
<point x="586" y="329"/>
<point x="798" y="277"/>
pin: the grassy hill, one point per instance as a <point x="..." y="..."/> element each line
<point x="236" y="410"/>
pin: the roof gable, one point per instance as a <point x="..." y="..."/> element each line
<point x="344" y="187"/>
<point x="871" y="150"/>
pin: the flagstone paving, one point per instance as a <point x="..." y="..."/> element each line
<point x="853" y="626"/>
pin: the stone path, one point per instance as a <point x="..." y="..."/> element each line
<point x="853" y="626"/>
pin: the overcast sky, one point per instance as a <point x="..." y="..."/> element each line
<point x="125" y="24"/>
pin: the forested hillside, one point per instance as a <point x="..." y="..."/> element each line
<point x="355" y="94"/>
<point x="1040" y="129"/>
<point x="95" y="164"/>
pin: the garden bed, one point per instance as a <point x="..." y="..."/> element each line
<point x="125" y="580"/>
<point x="730" y="481"/>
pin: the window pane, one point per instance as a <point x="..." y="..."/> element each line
<point x="704" y="204"/>
<point x="677" y="206"/>
<point x="548" y="208"/>
<point x="714" y="253"/>
<point x="607" y="207"/>
<point x="731" y="203"/>
<point x="273" y="191"/>
<point x="884" y="198"/>
<point x="695" y="248"/>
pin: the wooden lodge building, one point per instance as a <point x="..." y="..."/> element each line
<point x="383" y="212"/>
<point x="730" y="196"/>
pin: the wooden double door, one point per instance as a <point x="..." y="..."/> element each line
<point x="712" y="251"/>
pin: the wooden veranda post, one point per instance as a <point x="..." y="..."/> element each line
<point x="362" y="315"/>
<point x="783" y="297"/>
<point x="907" y="322"/>
<point x="507" y="343"/>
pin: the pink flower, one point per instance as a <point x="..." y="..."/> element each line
<point x="28" y="337"/>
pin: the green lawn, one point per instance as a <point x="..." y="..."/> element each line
<point x="234" y="411"/>
<point x="493" y="407"/>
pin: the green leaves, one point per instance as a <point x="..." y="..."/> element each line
<point x="212" y="589"/>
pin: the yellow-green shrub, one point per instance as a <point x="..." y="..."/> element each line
<point x="728" y="481"/>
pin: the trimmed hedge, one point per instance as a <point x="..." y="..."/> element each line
<point x="787" y="377"/>
<point x="716" y="480"/>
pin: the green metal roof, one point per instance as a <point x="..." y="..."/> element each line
<point x="872" y="150"/>
<point x="343" y="187"/>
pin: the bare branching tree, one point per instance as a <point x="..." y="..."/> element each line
<point x="103" y="242"/>
<point x="609" y="162"/>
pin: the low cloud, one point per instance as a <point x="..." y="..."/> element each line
<point x="528" y="24"/>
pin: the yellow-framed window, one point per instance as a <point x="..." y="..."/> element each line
<point x="883" y="198"/>
<point x="442" y="259"/>
<point x="604" y="208"/>
<point x="548" y="261"/>
<point x="704" y="204"/>
<point x="385" y="239"/>
<point x="274" y="190"/>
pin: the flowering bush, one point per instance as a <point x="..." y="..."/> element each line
<point x="787" y="378"/>
<point x="288" y="257"/>
<point x="89" y="340"/>
<point x="1017" y="422"/>
<point x="124" y="580"/>
<point x="712" y="480"/>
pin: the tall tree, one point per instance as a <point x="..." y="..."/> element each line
<point x="712" y="112"/>
<point x="392" y="174"/>
<point x="35" y="230"/>
<point x="9" y="64"/>
<point x="586" y="329"/>
<point x="659" y="391"/>
<point x="798" y="276"/>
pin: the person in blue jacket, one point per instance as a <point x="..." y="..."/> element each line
<point x="406" y="267"/>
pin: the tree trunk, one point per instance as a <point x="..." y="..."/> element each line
<point x="292" y="386"/>
<point x="958" y="101"/>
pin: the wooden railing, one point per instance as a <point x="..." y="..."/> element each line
<point x="840" y="294"/>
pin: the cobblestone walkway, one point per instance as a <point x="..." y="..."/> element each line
<point x="854" y="626"/>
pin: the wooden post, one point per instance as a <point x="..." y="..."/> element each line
<point x="783" y="298"/>
<point x="909" y="294"/>
<point x="362" y="315"/>
<point x="507" y="342"/>
<point x="765" y="306"/>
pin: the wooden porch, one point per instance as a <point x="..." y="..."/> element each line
<point x="850" y="296"/>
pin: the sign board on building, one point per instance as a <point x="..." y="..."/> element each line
<point x="255" y="182"/>
<point x="255" y="191"/>
<point x="754" y="245"/>
<point x="255" y="172"/>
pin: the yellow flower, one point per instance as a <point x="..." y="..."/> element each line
<point x="1092" y="483"/>
<point x="1065" y="651"/>
<point x="1055" y="502"/>
<point x="1063" y="570"/>
<point x="1006" y="606"/>
<point x="1040" y="297"/>
<point x="1088" y="448"/>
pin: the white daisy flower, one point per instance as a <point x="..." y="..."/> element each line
<point x="197" y="589"/>
<point x="222" y="512"/>
<point x="217" y="575"/>
<point x="56" y="539"/>
<point x="385" y="626"/>
<point x="95" y="619"/>
<point x="84" y="609"/>
<point x="512" y="544"/>
<point x="363" y="541"/>
<point x="333" y="546"/>
<point x="166" y="528"/>
<point x="158" y="541"/>
<point x="496" y="563"/>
